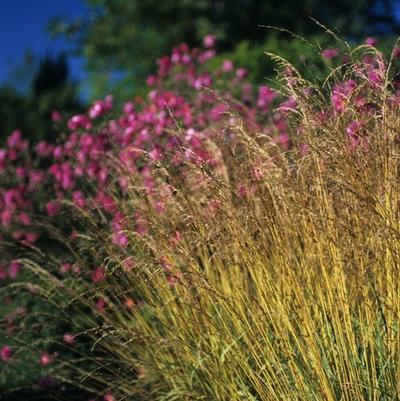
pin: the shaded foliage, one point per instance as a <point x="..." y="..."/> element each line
<point x="51" y="89"/>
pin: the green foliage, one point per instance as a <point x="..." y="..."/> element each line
<point x="303" y="54"/>
<point x="120" y="38"/>
<point x="12" y="106"/>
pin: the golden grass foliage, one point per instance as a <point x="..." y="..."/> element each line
<point x="290" y="292"/>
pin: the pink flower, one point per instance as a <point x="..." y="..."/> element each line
<point x="56" y="116"/>
<point x="69" y="338"/>
<point x="3" y="155"/>
<point x="98" y="275"/>
<point x="52" y="208"/>
<point x="128" y="264"/>
<point x="241" y="73"/>
<point x="24" y="219"/>
<point x="207" y="55"/>
<point x="79" y="120"/>
<point x="353" y="128"/>
<point x="227" y="65"/>
<point x="6" y="217"/>
<point x="14" y="139"/>
<point x="265" y="96"/>
<point x="209" y="41"/>
<point x="46" y="358"/>
<point x="288" y="105"/>
<point x="283" y="140"/>
<point x="106" y="202"/>
<point x="6" y="353"/>
<point x="101" y="304"/>
<point x="371" y="41"/>
<point x="78" y="199"/>
<point x="58" y="152"/>
<point x="101" y="107"/>
<point x="13" y="269"/>
<point x="108" y="397"/>
<point x="43" y="149"/>
<point x="330" y="53"/>
<point x="129" y="108"/>
<point x="65" y="268"/>
<point x="21" y="172"/>
<point x="76" y="269"/>
<point x="120" y="239"/>
<point x="151" y="80"/>
<point x="31" y="237"/>
<point x="375" y="76"/>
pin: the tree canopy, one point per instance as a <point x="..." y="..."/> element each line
<point x="121" y="39"/>
<point x="50" y="89"/>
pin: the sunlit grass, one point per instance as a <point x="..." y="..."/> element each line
<point x="279" y="284"/>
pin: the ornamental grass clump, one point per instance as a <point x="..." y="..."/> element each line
<point x="247" y="270"/>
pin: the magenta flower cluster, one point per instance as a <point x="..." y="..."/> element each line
<point x="188" y="104"/>
<point x="37" y="179"/>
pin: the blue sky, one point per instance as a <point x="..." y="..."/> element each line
<point x="22" y="27"/>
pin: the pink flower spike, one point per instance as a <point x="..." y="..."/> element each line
<point x="6" y="353"/>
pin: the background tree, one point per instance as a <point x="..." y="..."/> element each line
<point x="120" y="39"/>
<point x="29" y="109"/>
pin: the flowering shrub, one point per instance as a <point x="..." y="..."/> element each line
<point x="152" y="231"/>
